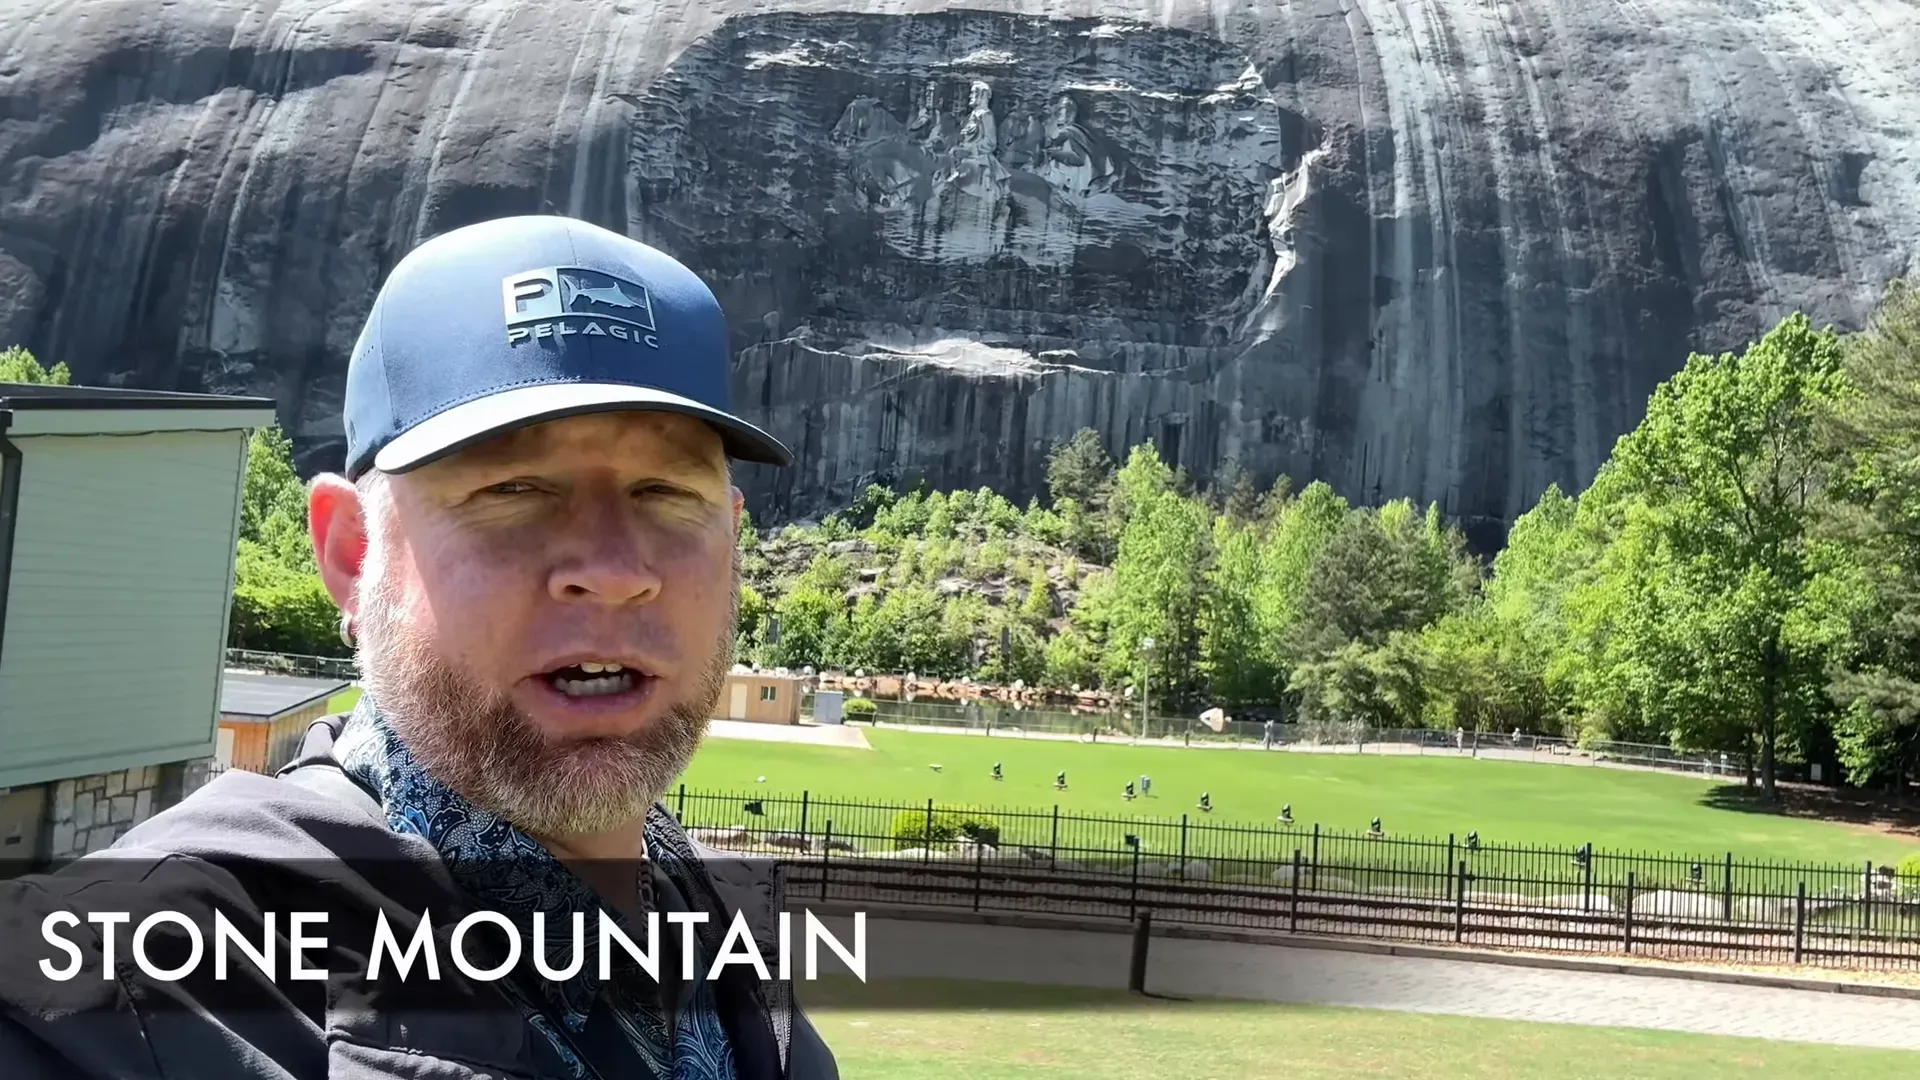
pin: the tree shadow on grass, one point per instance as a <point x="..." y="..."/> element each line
<point x="1896" y="815"/>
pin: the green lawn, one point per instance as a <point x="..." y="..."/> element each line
<point x="935" y="1030"/>
<point x="1506" y="802"/>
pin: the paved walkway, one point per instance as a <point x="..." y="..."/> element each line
<point x="814" y="734"/>
<point x="1191" y="968"/>
<point x="1379" y="749"/>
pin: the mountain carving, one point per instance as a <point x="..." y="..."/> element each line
<point x="1442" y="250"/>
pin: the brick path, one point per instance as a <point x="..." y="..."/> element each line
<point x="1412" y="984"/>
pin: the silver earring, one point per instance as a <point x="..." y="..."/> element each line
<point x="346" y="630"/>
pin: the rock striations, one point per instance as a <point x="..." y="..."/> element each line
<point x="1433" y="248"/>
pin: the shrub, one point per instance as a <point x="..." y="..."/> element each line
<point x="910" y="828"/>
<point x="863" y="708"/>
<point x="1908" y="874"/>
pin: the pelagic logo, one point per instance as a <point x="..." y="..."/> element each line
<point x="561" y="301"/>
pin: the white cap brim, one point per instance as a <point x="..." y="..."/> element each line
<point x="472" y="422"/>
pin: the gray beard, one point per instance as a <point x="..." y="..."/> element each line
<point x="472" y="737"/>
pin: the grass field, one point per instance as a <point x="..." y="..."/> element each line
<point x="1506" y="802"/>
<point x="935" y="1030"/>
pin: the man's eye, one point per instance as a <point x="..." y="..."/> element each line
<point x="660" y="489"/>
<point x="510" y="487"/>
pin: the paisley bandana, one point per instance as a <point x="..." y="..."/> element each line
<point x="510" y="872"/>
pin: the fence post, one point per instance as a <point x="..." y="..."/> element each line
<point x="1053" y="845"/>
<point x="979" y="872"/>
<point x="826" y="852"/>
<point x="1133" y="890"/>
<point x="1866" y="900"/>
<point x="1800" y="923"/>
<point x="1586" y="881"/>
<point x="1628" y="921"/>
<point x="1316" y="855"/>
<point x="1137" y="962"/>
<point x="1293" y="904"/>
<point x="682" y="813"/>
<point x="1449" y="862"/>
<point x="803" y="813"/>
<point x="926" y="848"/>
<point x="1726" y="889"/>
<point x="1183" y="847"/>
<point x="1460" y="903"/>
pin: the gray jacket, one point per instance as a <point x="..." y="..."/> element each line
<point x="248" y="844"/>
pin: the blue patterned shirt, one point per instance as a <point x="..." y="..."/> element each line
<point x="510" y="872"/>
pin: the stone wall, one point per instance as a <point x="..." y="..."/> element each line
<point x="88" y="813"/>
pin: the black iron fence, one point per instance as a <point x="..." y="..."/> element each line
<point x="1302" y="878"/>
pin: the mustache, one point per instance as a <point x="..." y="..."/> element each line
<point x="469" y="734"/>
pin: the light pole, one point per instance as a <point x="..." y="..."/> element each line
<point x="1146" y="678"/>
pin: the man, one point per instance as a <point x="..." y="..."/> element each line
<point x="532" y="547"/>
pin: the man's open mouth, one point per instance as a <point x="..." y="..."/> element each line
<point x="590" y="679"/>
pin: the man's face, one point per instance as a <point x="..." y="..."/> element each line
<point x="547" y="619"/>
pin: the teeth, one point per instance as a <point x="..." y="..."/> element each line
<point x="592" y="667"/>
<point x="618" y="683"/>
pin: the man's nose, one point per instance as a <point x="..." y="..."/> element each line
<point x="605" y="559"/>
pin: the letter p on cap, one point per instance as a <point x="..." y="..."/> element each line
<point x="522" y="290"/>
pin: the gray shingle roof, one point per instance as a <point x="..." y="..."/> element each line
<point x="253" y="694"/>
<point x="52" y="396"/>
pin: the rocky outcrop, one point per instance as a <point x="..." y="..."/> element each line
<point x="1441" y="249"/>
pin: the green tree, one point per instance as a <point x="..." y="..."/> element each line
<point x="1231" y="492"/>
<point x="1301" y="529"/>
<point x="1235" y="659"/>
<point x="1490" y="666"/>
<point x="812" y="622"/>
<point x="1874" y="512"/>
<point x="1071" y="660"/>
<point x="1157" y="578"/>
<point x="1728" y="469"/>
<point x="870" y="643"/>
<point x="17" y="365"/>
<point x="281" y="608"/>
<point x="1080" y="469"/>
<point x="1381" y="571"/>
<point x="1382" y="684"/>
<point x="1080" y="482"/>
<point x="279" y="602"/>
<point x="750" y="625"/>
<point x="1037" y="607"/>
<point x="272" y="496"/>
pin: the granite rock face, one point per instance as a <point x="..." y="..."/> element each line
<point x="1441" y="249"/>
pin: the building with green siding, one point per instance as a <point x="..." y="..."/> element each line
<point x="119" y="514"/>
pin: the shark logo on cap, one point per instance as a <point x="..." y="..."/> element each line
<point x="562" y="301"/>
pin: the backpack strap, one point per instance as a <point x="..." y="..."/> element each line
<point x="316" y="770"/>
<point x="330" y="779"/>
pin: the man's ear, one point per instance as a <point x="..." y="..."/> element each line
<point x="739" y="504"/>
<point x="336" y="520"/>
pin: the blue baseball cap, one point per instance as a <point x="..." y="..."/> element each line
<point x="520" y="320"/>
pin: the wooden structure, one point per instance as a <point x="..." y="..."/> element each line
<point x="264" y="718"/>
<point x="761" y="697"/>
